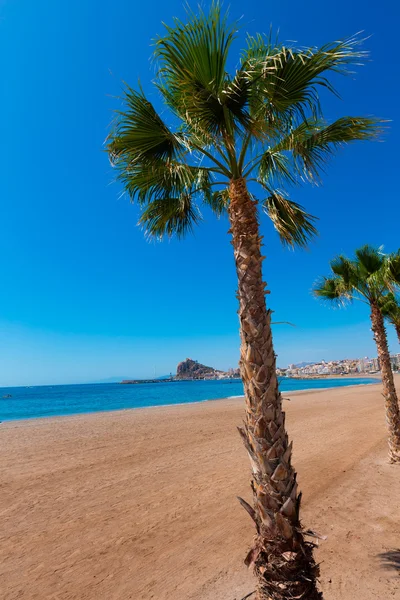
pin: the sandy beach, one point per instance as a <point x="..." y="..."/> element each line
<point x="141" y="504"/>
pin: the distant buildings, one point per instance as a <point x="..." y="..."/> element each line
<point x="395" y="361"/>
<point x="338" y="367"/>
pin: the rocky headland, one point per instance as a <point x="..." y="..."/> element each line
<point x="189" y="370"/>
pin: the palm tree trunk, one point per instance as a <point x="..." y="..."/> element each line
<point x="389" y="389"/>
<point x="283" y="560"/>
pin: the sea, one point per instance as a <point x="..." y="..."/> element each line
<point x="59" y="400"/>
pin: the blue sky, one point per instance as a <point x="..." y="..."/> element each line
<point x="83" y="295"/>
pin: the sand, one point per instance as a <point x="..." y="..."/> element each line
<point x="142" y="503"/>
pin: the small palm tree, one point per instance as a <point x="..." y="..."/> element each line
<point x="390" y="308"/>
<point x="261" y="124"/>
<point x="367" y="278"/>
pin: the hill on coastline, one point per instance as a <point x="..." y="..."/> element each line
<point x="192" y="369"/>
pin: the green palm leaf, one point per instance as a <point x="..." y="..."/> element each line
<point x="292" y="222"/>
<point x="394" y="267"/>
<point x="332" y="289"/>
<point x="192" y="72"/>
<point x="262" y="122"/>
<point x="366" y="277"/>
<point x="345" y="269"/>
<point x="390" y="308"/>
<point x="318" y="143"/>
<point x="218" y="201"/>
<point x="170" y="216"/>
<point x="155" y="179"/>
<point x="140" y="133"/>
<point x="370" y="260"/>
<point x="276" y="168"/>
<point x="314" y="142"/>
<point x="288" y="78"/>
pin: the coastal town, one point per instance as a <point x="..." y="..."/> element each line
<point x="190" y="370"/>
<point x="347" y="366"/>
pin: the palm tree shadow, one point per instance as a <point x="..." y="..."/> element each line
<point x="390" y="560"/>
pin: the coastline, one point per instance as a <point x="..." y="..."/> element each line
<point x="93" y="505"/>
<point x="3" y="421"/>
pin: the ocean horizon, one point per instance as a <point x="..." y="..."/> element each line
<point x="74" y="399"/>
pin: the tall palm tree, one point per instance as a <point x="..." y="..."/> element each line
<point x="367" y="278"/>
<point x="390" y="307"/>
<point x="263" y="124"/>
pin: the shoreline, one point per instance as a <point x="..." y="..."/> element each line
<point x="192" y="402"/>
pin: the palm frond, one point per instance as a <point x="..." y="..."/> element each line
<point x="235" y="99"/>
<point x="345" y="269"/>
<point x="370" y="260"/>
<point x="366" y="277"/>
<point x="332" y="289"/>
<point x="387" y="302"/>
<point x="263" y="122"/>
<point x="170" y="216"/>
<point x="314" y="142"/>
<point x="276" y="168"/>
<point x="192" y="74"/>
<point x="318" y="146"/>
<point x="393" y="265"/>
<point x="293" y="224"/>
<point x="218" y="201"/>
<point x="148" y="180"/>
<point x="390" y="307"/>
<point x="139" y="133"/>
<point x="288" y="78"/>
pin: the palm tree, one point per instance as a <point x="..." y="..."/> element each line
<point x="367" y="278"/>
<point x="261" y="124"/>
<point x="390" y="307"/>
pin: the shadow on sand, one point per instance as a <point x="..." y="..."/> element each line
<point x="390" y="560"/>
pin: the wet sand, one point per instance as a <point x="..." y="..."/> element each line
<point x="141" y="504"/>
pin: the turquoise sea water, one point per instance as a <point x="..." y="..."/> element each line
<point x="55" y="400"/>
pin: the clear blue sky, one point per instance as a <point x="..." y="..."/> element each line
<point x="83" y="296"/>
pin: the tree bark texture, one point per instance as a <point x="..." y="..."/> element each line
<point x="282" y="558"/>
<point x="389" y="389"/>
